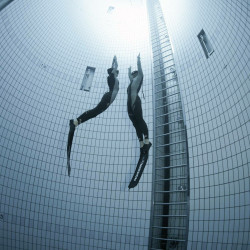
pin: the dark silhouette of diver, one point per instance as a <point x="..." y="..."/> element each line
<point x="135" y="115"/>
<point x="134" y="107"/>
<point x="105" y="102"/>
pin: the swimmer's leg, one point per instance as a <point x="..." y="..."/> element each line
<point x="69" y="145"/>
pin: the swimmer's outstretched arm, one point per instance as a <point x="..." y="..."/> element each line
<point x="137" y="80"/>
<point x="140" y="73"/>
<point x="129" y="74"/>
<point x="114" y="75"/>
<point x="114" y="64"/>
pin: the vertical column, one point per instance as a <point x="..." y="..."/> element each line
<point x="170" y="200"/>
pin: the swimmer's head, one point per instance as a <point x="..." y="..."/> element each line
<point x="134" y="73"/>
<point x="110" y="71"/>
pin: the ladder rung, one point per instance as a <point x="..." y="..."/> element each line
<point x="174" y="191"/>
<point x="175" y="166"/>
<point x="170" y="203"/>
<point x="169" y="215"/>
<point x="168" y="96"/>
<point x="170" y="133"/>
<point x="179" y="178"/>
<point x="168" y="239"/>
<point x="165" y="81"/>
<point x="179" y="110"/>
<point x="176" y="85"/>
<point x="169" y="123"/>
<point x="181" y="228"/>
<point x="172" y="59"/>
<point x="157" y="41"/>
<point x="168" y="104"/>
<point x="168" y="144"/>
<point x="163" y="156"/>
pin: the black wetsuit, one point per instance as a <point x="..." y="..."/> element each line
<point x="106" y="100"/>
<point x="135" y="113"/>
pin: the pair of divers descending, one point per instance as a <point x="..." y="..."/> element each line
<point x="134" y="111"/>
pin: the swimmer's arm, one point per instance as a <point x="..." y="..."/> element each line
<point x="115" y="91"/>
<point x="140" y="73"/>
<point x="114" y="64"/>
<point x="138" y="78"/>
<point x="129" y="74"/>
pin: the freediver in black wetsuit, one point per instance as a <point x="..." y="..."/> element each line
<point x="105" y="102"/>
<point x="134" y="106"/>
<point x="135" y="115"/>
